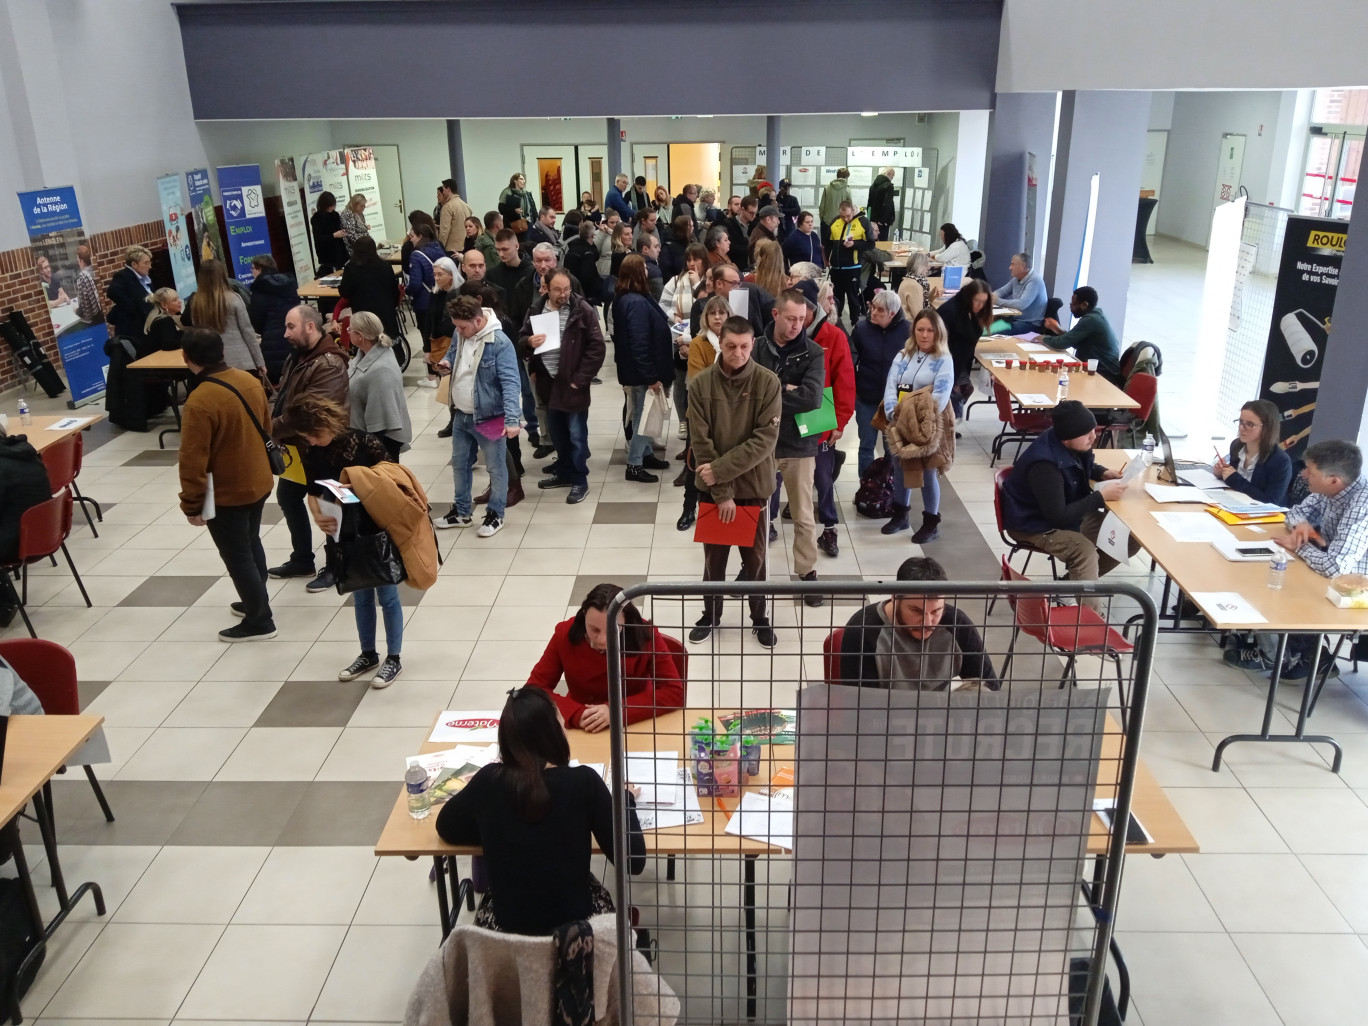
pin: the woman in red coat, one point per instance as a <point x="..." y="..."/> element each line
<point x="653" y="681"/>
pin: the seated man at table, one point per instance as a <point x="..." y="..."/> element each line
<point x="653" y="682"/>
<point x="1091" y="337"/>
<point x="1024" y="291"/>
<point x="1048" y="501"/>
<point x="1328" y="531"/>
<point x="915" y="642"/>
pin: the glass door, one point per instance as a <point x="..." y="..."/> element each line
<point x="1351" y="153"/>
<point x="1331" y="175"/>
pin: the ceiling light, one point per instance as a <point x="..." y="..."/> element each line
<point x="869" y="113"/>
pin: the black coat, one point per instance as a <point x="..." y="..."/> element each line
<point x="672" y="257"/>
<point x="740" y="242"/>
<point x="373" y="288"/>
<point x="23" y="484"/>
<point x="963" y="333"/>
<point x="881" y="206"/>
<point x="273" y="296"/>
<point x="581" y="260"/>
<point x="642" y="345"/>
<point x="331" y="253"/>
<point x="129" y="312"/>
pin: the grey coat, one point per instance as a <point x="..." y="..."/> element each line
<point x="375" y="389"/>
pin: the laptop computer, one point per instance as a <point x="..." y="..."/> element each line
<point x="1169" y="473"/>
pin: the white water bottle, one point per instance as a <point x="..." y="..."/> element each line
<point x="1063" y="385"/>
<point x="1277" y="570"/>
<point x="25" y="417"/>
<point x="1149" y="449"/>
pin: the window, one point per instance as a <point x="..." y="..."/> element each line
<point x="1333" y="152"/>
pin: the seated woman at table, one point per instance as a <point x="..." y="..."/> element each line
<point x="653" y="681"/>
<point x="1258" y="466"/>
<point x="163" y="325"/>
<point x="917" y="290"/>
<point x="954" y="251"/>
<point x="533" y="814"/>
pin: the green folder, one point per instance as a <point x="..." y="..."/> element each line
<point x="820" y="420"/>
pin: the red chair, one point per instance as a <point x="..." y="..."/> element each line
<point x="43" y="531"/>
<point x="1068" y="630"/>
<point x="1144" y="389"/>
<point x="680" y="654"/>
<point x="50" y="670"/>
<point x="63" y="462"/>
<point x="999" y="480"/>
<point x="831" y="656"/>
<point x="1024" y="425"/>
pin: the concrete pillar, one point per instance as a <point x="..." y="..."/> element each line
<point x="1022" y="123"/>
<point x="456" y="157"/>
<point x="1343" y="394"/>
<point x="614" y="148"/>
<point x="772" y="165"/>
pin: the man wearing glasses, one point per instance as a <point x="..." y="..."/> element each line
<point x="721" y="281"/>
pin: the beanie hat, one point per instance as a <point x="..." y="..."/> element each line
<point x="1072" y="419"/>
<point x="808" y="288"/>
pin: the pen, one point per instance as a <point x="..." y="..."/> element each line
<point x="1217" y="451"/>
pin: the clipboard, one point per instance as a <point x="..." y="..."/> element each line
<point x="820" y="420"/>
<point x="741" y="531"/>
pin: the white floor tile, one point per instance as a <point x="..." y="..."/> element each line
<point x="309" y="886"/>
<point x="372" y="753"/>
<point x="286" y="965"/>
<point x="1195" y="979"/>
<point x="192" y="885"/>
<point x="1316" y="821"/>
<point x="280" y="753"/>
<point x="223" y="703"/>
<point x="1265" y="894"/>
<point x="1309" y="979"/>
<point x="373" y="975"/>
<point x="182" y="753"/>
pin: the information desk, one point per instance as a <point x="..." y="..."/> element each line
<point x="41" y="433"/>
<point x="166" y="365"/>
<point x="1092" y="390"/>
<point x="1299" y="607"/>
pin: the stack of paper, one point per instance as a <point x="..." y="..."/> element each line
<point x="1177" y="493"/>
<point x="661" y="818"/>
<point x="1034" y="399"/>
<point x="657" y="775"/>
<point x="764" y="818"/>
<point x="1190" y="527"/>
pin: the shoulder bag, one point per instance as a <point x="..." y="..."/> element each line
<point x="275" y="455"/>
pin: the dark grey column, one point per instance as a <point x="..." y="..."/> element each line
<point x="456" y="157"/>
<point x="1103" y="134"/>
<point x="1021" y="123"/>
<point x="772" y="167"/>
<point x="614" y="148"/>
<point x="1343" y="395"/>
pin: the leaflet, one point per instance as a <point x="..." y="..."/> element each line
<point x="547" y="324"/>
<point x="1190" y="527"/>
<point x="767" y="818"/>
<point x="462" y="725"/>
<point x="1227" y="607"/>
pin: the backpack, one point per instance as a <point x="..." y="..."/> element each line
<point x="19" y="935"/>
<point x="874" y="497"/>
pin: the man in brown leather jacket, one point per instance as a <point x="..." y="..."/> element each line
<point x="315" y="366"/>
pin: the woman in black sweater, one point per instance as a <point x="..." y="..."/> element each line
<point x="967" y="315"/>
<point x="328" y="236"/>
<point x="534" y="815"/>
<point x="370" y="284"/>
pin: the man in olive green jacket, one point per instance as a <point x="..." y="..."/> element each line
<point x="734" y="409"/>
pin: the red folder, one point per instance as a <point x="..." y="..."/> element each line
<point x="741" y="531"/>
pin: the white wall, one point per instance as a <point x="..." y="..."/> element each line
<point x="1161" y="110"/>
<point x="971" y="171"/>
<point x="1048" y="45"/>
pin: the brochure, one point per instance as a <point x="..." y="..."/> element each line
<point x="767" y="726"/>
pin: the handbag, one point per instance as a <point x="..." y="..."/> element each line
<point x="656" y="420"/>
<point x="275" y="455"/>
<point x="360" y="561"/>
<point x="519" y="226"/>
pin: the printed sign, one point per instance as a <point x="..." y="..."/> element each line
<point x="324" y="172"/>
<point x="177" y="234"/>
<point x="893" y="156"/>
<point x="296" y="221"/>
<point x="244" y="214"/>
<point x="202" y="213"/>
<point x="364" y="180"/>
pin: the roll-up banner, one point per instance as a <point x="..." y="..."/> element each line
<point x="296" y="223"/>
<point x="1304" y="299"/>
<point x="364" y="180"/>
<point x="324" y="172"/>
<point x="66" y="272"/>
<point x="202" y="210"/>
<point x="177" y="234"/>
<point x="244" y="214"/>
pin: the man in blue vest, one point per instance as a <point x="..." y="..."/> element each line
<point x="1048" y="500"/>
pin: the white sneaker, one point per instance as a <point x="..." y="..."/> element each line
<point x="683" y="430"/>
<point x="427" y="383"/>
<point x="452" y="519"/>
<point x="492" y="525"/>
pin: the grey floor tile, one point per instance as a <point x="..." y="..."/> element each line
<point x="145" y="811"/>
<point x="343" y="812"/>
<point x="153" y="458"/>
<point x="271" y="514"/>
<point x="239" y="812"/>
<point x="584" y="583"/>
<point x="168" y="591"/>
<point x="89" y="690"/>
<point x="313" y="703"/>
<point x="625" y="512"/>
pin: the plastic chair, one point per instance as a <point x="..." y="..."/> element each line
<point x="999" y="481"/>
<point x="1144" y="389"/>
<point x="50" y="670"/>
<point x="831" y="656"/>
<point x="43" y="530"/>
<point x="1020" y="426"/>
<point x="63" y="462"/>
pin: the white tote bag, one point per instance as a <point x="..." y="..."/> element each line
<point x="655" y="419"/>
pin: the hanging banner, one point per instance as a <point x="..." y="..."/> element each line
<point x="324" y="172"/>
<point x="61" y="259"/>
<point x="1303" y="301"/>
<point x="296" y="223"/>
<point x="205" y="219"/>
<point x="244" y="215"/>
<point x="177" y="234"/>
<point x="364" y="180"/>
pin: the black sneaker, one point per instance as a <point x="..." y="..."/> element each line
<point x="774" y="533"/>
<point x="237" y="609"/>
<point x="686" y="520"/>
<point x="291" y="570"/>
<point x="1246" y="658"/>
<point x="787" y="514"/>
<point x="241" y="632"/>
<point x="323" y="582"/>
<point x="764" y="633"/>
<point x="702" y="629"/>
<point x="555" y="482"/>
<point x="385" y="676"/>
<point x="362" y="663"/>
<point x="453" y="519"/>
<point x="1301" y="669"/>
<point x="641" y="475"/>
<point x="578" y="493"/>
<point x="812" y="599"/>
<point x="827" y="541"/>
<point x="654" y="463"/>
<point x="543" y="451"/>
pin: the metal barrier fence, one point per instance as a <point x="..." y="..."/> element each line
<point x="889" y="815"/>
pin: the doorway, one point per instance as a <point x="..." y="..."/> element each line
<point x="675" y="165"/>
<point x="1331" y="174"/>
<point x="593" y="172"/>
<point x="552" y="175"/>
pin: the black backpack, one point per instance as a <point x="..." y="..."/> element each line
<point x="19" y="934"/>
<point x="874" y="497"/>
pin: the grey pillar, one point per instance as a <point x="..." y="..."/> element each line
<point x="1343" y="395"/>
<point x="1103" y="134"/>
<point x="1022" y="124"/>
<point x="456" y="157"/>
<point x="614" y="148"/>
<point x="773" y="169"/>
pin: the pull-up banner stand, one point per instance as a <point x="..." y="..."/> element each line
<point x="244" y="214"/>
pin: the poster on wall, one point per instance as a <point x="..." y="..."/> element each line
<point x="61" y="260"/>
<point x="244" y="215"/>
<point x="177" y="234"/>
<point x="296" y="222"/>
<point x="203" y="215"/>
<point x="364" y="180"/>
<point x="1303" y="301"/>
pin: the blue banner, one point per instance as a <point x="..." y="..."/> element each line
<point x="177" y="234"/>
<point x="202" y="212"/>
<point x="66" y="272"/>
<point x="244" y="215"/>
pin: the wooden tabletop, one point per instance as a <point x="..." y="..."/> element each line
<point x="939" y="299"/>
<point x="404" y="835"/>
<point x="1092" y="390"/>
<point x="1300" y="605"/>
<point x="162" y="360"/>
<point x="36" y="747"/>
<point x="314" y="290"/>
<point x="41" y="433"/>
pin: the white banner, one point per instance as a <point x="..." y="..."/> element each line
<point x="762" y="155"/>
<point x="895" y="156"/>
<point x="324" y="172"/>
<point x="296" y="223"/>
<point x="364" y="179"/>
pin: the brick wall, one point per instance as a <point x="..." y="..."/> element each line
<point x="19" y="289"/>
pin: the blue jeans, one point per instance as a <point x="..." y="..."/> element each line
<point x="529" y="400"/>
<point x="570" y="435"/>
<point x="864" y="413"/>
<point x="394" y="617"/>
<point x="930" y="489"/>
<point x="464" y="441"/>
<point x="640" y="446"/>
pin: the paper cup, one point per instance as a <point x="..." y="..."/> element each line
<point x="1092" y="366"/>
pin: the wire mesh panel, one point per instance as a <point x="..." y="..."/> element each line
<point x="885" y="811"/>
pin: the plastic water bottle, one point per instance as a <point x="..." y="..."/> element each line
<point x="1277" y="570"/>
<point x="419" y="799"/>
<point x="1063" y="385"/>
<point x="25" y="417"/>
<point x="1149" y="449"/>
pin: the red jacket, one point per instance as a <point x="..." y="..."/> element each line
<point x="840" y="373"/>
<point x="653" y="682"/>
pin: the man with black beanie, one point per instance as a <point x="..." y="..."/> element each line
<point x="1048" y="501"/>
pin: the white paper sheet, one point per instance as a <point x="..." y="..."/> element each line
<point x="1190" y="527"/>
<point x="1135" y="468"/>
<point x="1202" y="478"/>
<point x="69" y="423"/>
<point x="1113" y="537"/>
<point x="1176" y="493"/>
<point x="207" y="508"/>
<point x="1105" y="807"/>
<point x="739" y="301"/>
<point x="1035" y="399"/>
<point x="1256" y="550"/>
<point x="1033" y="347"/>
<point x="328" y="508"/>
<point x="467" y="727"/>
<point x="657" y="774"/>
<point x="547" y="324"/>
<point x="1223" y="607"/>
<point x="663" y="818"/>
<point x="997" y="357"/>
<point x="804" y="176"/>
<point x="761" y="818"/>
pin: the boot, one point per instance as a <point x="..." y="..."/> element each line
<point x="899" y="521"/>
<point x="929" y="530"/>
<point x="515" y="494"/>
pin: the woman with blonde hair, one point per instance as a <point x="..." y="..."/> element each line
<point x="354" y="221"/>
<point x="127" y="291"/>
<point x="702" y="354"/>
<point x="217" y="307"/>
<point x="375" y="386"/>
<point x="163" y="324"/>
<point x="925" y="361"/>
<point x="769" y="267"/>
<point x="917" y="290"/>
